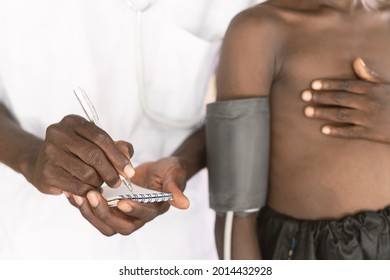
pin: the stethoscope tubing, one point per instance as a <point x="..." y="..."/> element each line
<point x="138" y="10"/>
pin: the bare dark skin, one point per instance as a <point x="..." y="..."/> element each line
<point x="76" y="157"/>
<point x="168" y="174"/>
<point x="278" y="49"/>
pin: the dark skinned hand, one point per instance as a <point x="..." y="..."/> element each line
<point x="167" y="174"/>
<point x="76" y="156"/>
<point x="359" y="108"/>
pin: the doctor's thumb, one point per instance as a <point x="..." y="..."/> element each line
<point x="179" y="201"/>
<point x="127" y="150"/>
<point x="366" y="73"/>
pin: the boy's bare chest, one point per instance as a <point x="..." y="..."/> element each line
<point x="322" y="55"/>
<point x="329" y="53"/>
<point x="310" y="55"/>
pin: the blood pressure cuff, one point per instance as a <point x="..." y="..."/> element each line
<point x="237" y="137"/>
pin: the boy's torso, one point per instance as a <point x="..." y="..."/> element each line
<point x="314" y="176"/>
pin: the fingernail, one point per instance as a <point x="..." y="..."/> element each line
<point x="317" y="85"/>
<point x="361" y="61"/>
<point x="326" y="130"/>
<point x="125" y="207"/>
<point x="117" y="184"/>
<point x="93" y="199"/>
<point x="67" y="194"/>
<point x="309" y="111"/>
<point x="79" y="200"/>
<point x="129" y="171"/>
<point x="306" y="95"/>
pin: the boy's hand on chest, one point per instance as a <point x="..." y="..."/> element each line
<point x="355" y="108"/>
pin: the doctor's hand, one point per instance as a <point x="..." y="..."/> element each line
<point x="167" y="175"/>
<point x="76" y="156"/>
<point x="356" y="108"/>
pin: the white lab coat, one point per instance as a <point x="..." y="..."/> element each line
<point x="48" y="47"/>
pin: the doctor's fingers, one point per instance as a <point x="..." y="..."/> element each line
<point x="126" y="148"/>
<point x="102" y="148"/>
<point x="61" y="141"/>
<point x="86" y="211"/>
<point x="57" y="177"/>
<point x="76" y="168"/>
<point x="179" y="201"/>
<point x="102" y="216"/>
<point x="144" y="212"/>
<point x="92" y="156"/>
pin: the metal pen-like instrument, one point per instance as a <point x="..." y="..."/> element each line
<point x="92" y="115"/>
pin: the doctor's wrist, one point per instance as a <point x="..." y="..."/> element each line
<point x="28" y="159"/>
<point x="190" y="166"/>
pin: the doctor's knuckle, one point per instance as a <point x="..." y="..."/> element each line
<point x="53" y="130"/>
<point x="88" y="174"/>
<point x="111" y="179"/>
<point x="70" y="120"/>
<point x="47" y="173"/>
<point x="100" y="137"/>
<point x="126" y="230"/>
<point x="93" y="156"/>
<point x="81" y="189"/>
<point x="107" y="232"/>
<point x="103" y="215"/>
<point x="57" y="132"/>
<point x="49" y="149"/>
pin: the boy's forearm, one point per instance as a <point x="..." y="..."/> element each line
<point x="244" y="242"/>
<point x="192" y="152"/>
<point x="245" y="245"/>
<point x="17" y="147"/>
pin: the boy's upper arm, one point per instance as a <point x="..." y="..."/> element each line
<point x="248" y="57"/>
